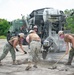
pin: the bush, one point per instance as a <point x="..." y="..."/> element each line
<point x="4" y="26"/>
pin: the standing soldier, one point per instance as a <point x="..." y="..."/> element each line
<point x="35" y="28"/>
<point x="68" y="38"/>
<point x="35" y="45"/>
<point x="11" y="46"/>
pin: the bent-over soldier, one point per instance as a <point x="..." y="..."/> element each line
<point x="68" y="38"/>
<point x="11" y="46"/>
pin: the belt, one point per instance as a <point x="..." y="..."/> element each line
<point x="36" y="40"/>
<point x="10" y="44"/>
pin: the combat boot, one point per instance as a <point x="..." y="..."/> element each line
<point x="28" y="68"/>
<point x="15" y="63"/>
<point x="35" y="66"/>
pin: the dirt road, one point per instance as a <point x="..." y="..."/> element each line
<point x="43" y="65"/>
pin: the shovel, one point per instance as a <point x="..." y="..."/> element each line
<point x="54" y="66"/>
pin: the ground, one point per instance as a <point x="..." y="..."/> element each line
<point x="43" y="65"/>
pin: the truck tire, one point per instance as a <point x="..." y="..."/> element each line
<point x="44" y="54"/>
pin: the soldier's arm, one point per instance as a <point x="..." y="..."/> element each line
<point x="39" y="38"/>
<point x="15" y="43"/>
<point x="67" y="47"/>
<point x="22" y="49"/>
<point x="27" y="38"/>
<point x="72" y="41"/>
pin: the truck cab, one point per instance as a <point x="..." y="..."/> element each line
<point x="19" y="26"/>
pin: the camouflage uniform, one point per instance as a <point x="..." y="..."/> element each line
<point x="71" y="54"/>
<point x="35" y="48"/>
<point x="6" y="49"/>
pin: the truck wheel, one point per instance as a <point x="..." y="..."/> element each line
<point x="44" y="54"/>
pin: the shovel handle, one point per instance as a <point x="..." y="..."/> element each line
<point x="61" y="58"/>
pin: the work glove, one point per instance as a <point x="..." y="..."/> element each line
<point x="25" y="52"/>
<point x="17" y="50"/>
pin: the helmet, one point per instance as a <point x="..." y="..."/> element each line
<point x="35" y="26"/>
<point x="60" y="32"/>
<point x="21" y="35"/>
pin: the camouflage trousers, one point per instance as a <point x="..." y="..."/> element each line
<point x="71" y="54"/>
<point x="35" y="47"/>
<point x="6" y="49"/>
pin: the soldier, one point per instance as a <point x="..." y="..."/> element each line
<point x="35" y="45"/>
<point x="11" y="46"/>
<point x="68" y="38"/>
<point x="35" y="28"/>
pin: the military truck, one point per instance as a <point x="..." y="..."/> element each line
<point x="19" y="26"/>
<point x="49" y="22"/>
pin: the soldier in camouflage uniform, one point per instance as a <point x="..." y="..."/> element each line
<point x="68" y="38"/>
<point x="35" y="45"/>
<point x="11" y="46"/>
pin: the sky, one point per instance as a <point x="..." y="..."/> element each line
<point x="12" y="9"/>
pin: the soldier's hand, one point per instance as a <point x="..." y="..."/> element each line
<point x="17" y="50"/>
<point x="66" y="52"/>
<point x="25" y="52"/>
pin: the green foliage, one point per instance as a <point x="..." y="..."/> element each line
<point x="69" y="20"/>
<point x="4" y="26"/>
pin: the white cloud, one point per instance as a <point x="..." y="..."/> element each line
<point x="12" y="9"/>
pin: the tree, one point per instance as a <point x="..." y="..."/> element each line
<point x="70" y="19"/>
<point x="4" y="26"/>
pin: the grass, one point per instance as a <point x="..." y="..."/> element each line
<point x="2" y="37"/>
